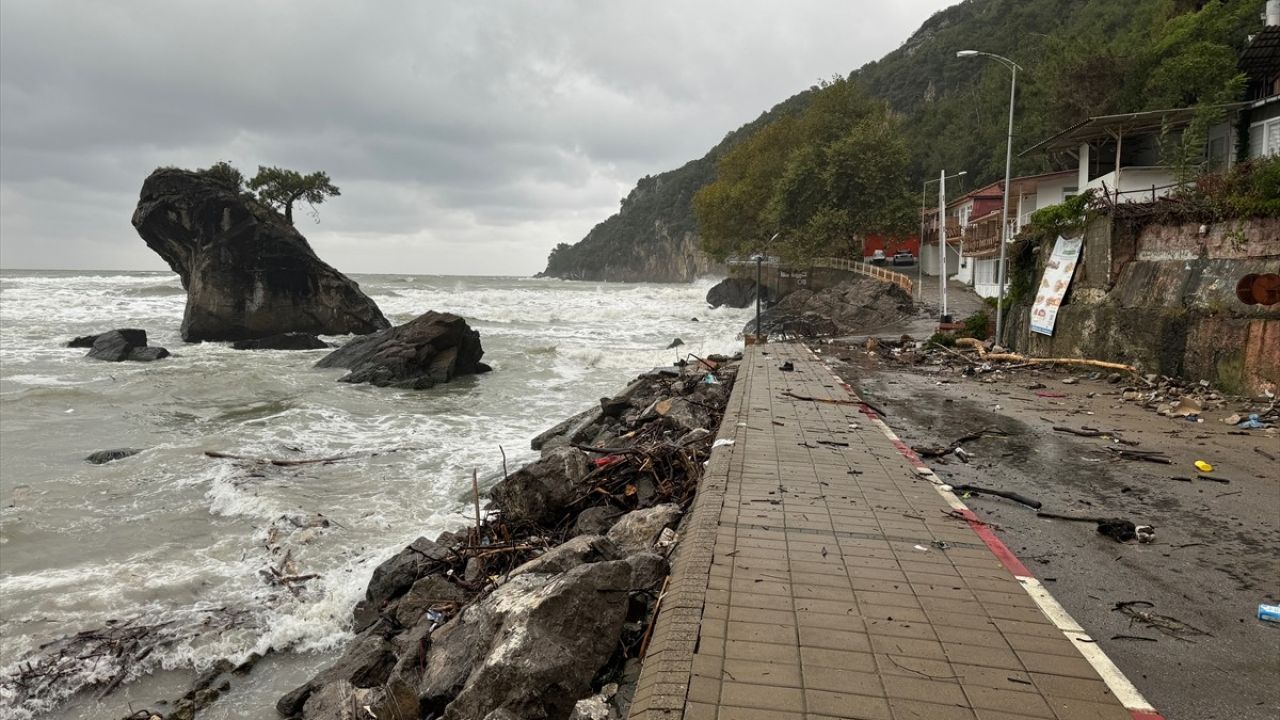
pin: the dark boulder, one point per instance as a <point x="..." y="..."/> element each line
<point x="638" y="530"/>
<point x="733" y="292"/>
<point x="647" y="570"/>
<point x="675" y="343"/>
<point x="576" y="551"/>
<point x="430" y="349"/>
<point x="103" y="457"/>
<point x="430" y="590"/>
<point x="147" y="354"/>
<point x="595" y="520"/>
<point x="465" y="640"/>
<point x="124" y="344"/>
<point x="539" y="493"/>
<point x="366" y="663"/>
<point x="247" y="272"/>
<point x="552" y="643"/>
<point x="283" y="341"/>
<point x="393" y="577"/>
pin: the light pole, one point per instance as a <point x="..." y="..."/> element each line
<point x="920" y="259"/>
<point x="1008" y="163"/>
<point x="759" y="258"/>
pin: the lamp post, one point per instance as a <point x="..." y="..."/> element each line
<point x="920" y="259"/>
<point x="1008" y="162"/>
<point x="759" y="258"/>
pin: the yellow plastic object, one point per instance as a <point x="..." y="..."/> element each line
<point x="1203" y="466"/>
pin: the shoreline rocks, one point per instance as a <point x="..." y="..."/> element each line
<point x="850" y="308"/>
<point x="120" y="345"/>
<point x="432" y="348"/>
<point x="545" y="604"/>
<point x="247" y="272"/>
<point x="734" y="292"/>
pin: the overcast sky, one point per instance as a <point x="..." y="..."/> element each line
<point x="467" y="137"/>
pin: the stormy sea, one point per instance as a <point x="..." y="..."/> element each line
<point x="184" y="552"/>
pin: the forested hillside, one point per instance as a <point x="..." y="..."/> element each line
<point x="1080" y="58"/>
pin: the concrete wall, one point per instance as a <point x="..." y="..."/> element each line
<point x="1162" y="297"/>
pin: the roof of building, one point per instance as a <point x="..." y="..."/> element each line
<point x="1110" y="126"/>
<point x="1262" y="57"/>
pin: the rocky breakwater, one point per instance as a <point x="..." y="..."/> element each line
<point x="541" y="610"/>
<point x="853" y="307"/>
<point x="247" y="272"/>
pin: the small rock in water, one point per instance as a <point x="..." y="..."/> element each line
<point x="102" y="457"/>
<point x="675" y="343"/>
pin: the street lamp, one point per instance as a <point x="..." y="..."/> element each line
<point x="759" y="258"/>
<point x="920" y="259"/>
<point x="1008" y="162"/>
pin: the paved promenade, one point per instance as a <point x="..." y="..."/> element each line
<point x="824" y="575"/>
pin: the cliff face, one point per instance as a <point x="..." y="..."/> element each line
<point x="653" y="236"/>
<point x="650" y="239"/>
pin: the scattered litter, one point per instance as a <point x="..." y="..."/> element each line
<point x="975" y="489"/>
<point x="1168" y="625"/>
<point x="721" y="443"/>
<point x="668" y="538"/>
<point x="1269" y="613"/>
<point x="1046" y="394"/>
<point x="1252" y="423"/>
<point x="921" y="548"/>
<point x="1152" y="456"/>
<point x="1203" y="466"/>
<point x="787" y="367"/>
<point x="1187" y="407"/>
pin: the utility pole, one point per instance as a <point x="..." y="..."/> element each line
<point x="942" y="243"/>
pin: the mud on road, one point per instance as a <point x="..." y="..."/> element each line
<point x="1216" y="553"/>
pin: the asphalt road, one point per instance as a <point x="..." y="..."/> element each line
<point x="1216" y="554"/>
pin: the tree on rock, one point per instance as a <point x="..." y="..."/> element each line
<point x="226" y="174"/>
<point x="281" y="188"/>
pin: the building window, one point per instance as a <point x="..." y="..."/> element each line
<point x="1070" y="191"/>
<point x="1264" y="138"/>
<point x="1218" y="153"/>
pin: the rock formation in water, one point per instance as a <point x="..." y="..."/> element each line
<point x="432" y="348"/>
<point x="247" y="272"/>
<point x="733" y="292"/>
<point x="120" y="345"/>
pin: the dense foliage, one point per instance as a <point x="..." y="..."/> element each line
<point x="815" y="180"/>
<point x="1080" y="58"/>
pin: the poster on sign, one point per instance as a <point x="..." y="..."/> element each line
<point x="1053" y="286"/>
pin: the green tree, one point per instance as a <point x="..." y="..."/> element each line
<point x="820" y="179"/>
<point x="224" y="173"/>
<point x="281" y="188"/>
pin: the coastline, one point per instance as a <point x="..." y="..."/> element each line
<point x="601" y="506"/>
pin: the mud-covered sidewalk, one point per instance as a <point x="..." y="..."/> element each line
<point x="1177" y="615"/>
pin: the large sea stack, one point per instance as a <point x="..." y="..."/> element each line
<point x="247" y="272"/>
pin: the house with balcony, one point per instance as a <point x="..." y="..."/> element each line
<point x="974" y="227"/>
<point x="1260" y="117"/>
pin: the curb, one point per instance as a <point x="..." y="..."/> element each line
<point x="1124" y="691"/>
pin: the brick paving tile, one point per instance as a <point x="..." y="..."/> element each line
<point x="800" y="590"/>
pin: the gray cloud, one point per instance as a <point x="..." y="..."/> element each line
<point x="466" y="137"/>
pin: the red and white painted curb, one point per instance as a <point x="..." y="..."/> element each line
<point x="1116" y="681"/>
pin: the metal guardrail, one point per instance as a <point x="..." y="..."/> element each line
<point x="867" y="269"/>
